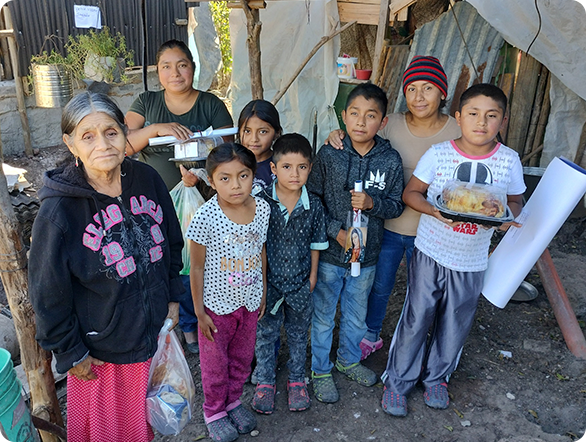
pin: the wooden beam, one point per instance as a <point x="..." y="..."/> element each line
<point x="397" y="5"/>
<point x="383" y="23"/>
<point x="365" y="14"/>
<point x="522" y="102"/>
<point x="253" y="27"/>
<point x="252" y="4"/>
<point x="26" y="132"/>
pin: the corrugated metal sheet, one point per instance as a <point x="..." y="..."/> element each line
<point x="442" y="39"/>
<point x="34" y="20"/>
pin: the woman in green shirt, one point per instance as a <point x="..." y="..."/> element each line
<point x="178" y="110"/>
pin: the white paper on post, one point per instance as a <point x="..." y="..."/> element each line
<point x="87" y="16"/>
<point x="562" y="186"/>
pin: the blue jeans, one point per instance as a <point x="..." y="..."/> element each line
<point x="187" y="318"/>
<point x="268" y="332"/>
<point x="335" y="283"/>
<point x="393" y="247"/>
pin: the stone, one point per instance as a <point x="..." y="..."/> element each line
<point x="8" y="339"/>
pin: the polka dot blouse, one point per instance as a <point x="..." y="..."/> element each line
<point x="233" y="263"/>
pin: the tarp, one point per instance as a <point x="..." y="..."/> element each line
<point x="561" y="41"/>
<point x="290" y="31"/>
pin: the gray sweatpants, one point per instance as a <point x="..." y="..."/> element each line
<point x="438" y="297"/>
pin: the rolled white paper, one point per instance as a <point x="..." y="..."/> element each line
<point x="355" y="266"/>
<point x="562" y="186"/>
<point x="209" y="132"/>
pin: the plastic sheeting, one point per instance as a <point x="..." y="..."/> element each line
<point x="285" y="42"/>
<point x="564" y="127"/>
<point x="561" y="43"/>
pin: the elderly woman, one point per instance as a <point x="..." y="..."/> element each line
<point x="103" y="273"/>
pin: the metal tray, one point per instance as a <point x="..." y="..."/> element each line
<point x="473" y="218"/>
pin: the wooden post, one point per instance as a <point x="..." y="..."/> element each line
<point x="4" y="48"/>
<point x="383" y="23"/>
<point x="536" y="113"/>
<point x="13" y="272"/>
<point x="540" y="132"/>
<point x="26" y="132"/>
<point x="522" y="102"/>
<point x="253" y="26"/>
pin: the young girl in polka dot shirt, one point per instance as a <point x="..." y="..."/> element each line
<point x="228" y="285"/>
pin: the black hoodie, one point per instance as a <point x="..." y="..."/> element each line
<point x="333" y="176"/>
<point x="103" y="292"/>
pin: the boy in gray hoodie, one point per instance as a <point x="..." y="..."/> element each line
<point x="369" y="158"/>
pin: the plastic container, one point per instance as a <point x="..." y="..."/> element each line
<point x="363" y="74"/>
<point x="15" y="418"/>
<point x="346" y="67"/>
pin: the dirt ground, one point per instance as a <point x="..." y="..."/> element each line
<point x="538" y="394"/>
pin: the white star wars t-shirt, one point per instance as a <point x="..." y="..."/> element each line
<point x="464" y="247"/>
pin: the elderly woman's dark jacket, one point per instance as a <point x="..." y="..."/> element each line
<point x="102" y="270"/>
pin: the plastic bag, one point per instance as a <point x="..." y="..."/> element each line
<point x="186" y="201"/>
<point x="171" y="391"/>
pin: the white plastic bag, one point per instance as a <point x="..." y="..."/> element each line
<point x="186" y="201"/>
<point x="171" y="391"/>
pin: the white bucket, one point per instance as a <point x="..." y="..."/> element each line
<point x="346" y="67"/>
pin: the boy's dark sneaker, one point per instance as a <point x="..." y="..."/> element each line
<point x="264" y="398"/>
<point x="324" y="388"/>
<point x="222" y="430"/>
<point x="393" y="403"/>
<point x="242" y="419"/>
<point x="437" y="396"/>
<point x="298" y="396"/>
<point x="359" y="373"/>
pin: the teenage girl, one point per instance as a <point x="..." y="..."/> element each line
<point x="258" y="127"/>
<point x="228" y="285"/>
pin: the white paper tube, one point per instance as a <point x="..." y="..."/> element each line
<point x="562" y="186"/>
<point x="355" y="266"/>
<point x="158" y="141"/>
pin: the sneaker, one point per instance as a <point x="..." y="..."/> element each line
<point x="393" y="403"/>
<point x="254" y="377"/>
<point x="298" y="396"/>
<point x="193" y="347"/>
<point x="437" y="396"/>
<point x="242" y="419"/>
<point x="359" y="373"/>
<point x="369" y="347"/>
<point x="324" y="388"/>
<point x="264" y="398"/>
<point x="222" y="430"/>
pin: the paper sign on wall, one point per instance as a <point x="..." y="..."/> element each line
<point x="87" y="16"/>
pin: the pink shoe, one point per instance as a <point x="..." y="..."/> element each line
<point x="369" y="347"/>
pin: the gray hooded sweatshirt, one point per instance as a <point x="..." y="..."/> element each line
<point x="332" y="177"/>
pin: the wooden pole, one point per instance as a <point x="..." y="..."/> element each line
<point x="253" y="26"/>
<point x="541" y="124"/>
<point x="319" y="44"/>
<point x="536" y="113"/>
<point x="4" y="48"/>
<point x="13" y="272"/>
<point x="383" y="23"/>
<point x="26" y="132"/>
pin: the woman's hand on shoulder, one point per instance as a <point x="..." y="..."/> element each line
<point x="207" y="327"/>
<point x="188" y="178"/>
<point x="83" y="371"/>
<point x="335" y="139"/>
<point x="172" y="129"/>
